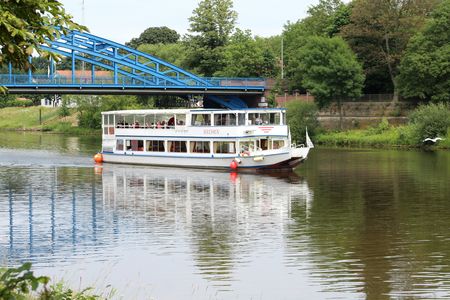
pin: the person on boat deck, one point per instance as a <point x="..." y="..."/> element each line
<point x="158" y="124"/>
<point x="258" y="121"/>
<point x="136" y="124"/>
<point x="120" y="124"/>
<point x="171" y="122"/>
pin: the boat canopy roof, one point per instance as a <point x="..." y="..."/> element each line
<point x="187" y="110"/>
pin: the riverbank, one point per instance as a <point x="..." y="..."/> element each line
<point x="36" y="118"/>
<point x="391" y="137"/>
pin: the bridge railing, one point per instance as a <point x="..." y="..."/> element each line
<point x="18" y="80"/>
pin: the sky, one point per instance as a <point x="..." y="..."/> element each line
<point x="121" y="21"/>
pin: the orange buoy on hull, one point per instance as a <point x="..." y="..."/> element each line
<point x="98" y="158"/>
<point x="233" y="165"/>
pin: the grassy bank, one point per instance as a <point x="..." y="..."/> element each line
<point x="371" y="137"/>
<point x="37" y="118"/>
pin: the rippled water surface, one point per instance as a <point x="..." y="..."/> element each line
<point x="348" y="224"/>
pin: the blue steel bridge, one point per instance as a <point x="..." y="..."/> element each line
<point x="129" y="72"/>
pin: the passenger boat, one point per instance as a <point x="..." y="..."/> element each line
<point x="254" y="138"/>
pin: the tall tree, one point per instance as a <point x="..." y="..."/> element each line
<point x="425" y="68"/>
<point x="211" y="25"/>
<point x="24" y="25"/>
<point x="155" y="35"/>
<point x="379" y="32"/>
<point x="246" y="57"/>
<point x="329" y="70"/>
<point x="324" y="19"/>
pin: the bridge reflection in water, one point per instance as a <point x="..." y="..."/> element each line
<point x="215" y="218"/>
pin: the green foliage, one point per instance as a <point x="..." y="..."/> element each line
<point x="24" y="25"/>
<point x="64" y="109"/>
<point x="328" y="69"/>
<point x="378" y="33"/>
<point x="430" y="121"/>
<point x="60" y="292"/>
<point x="247" y="57"/>
<point x="17" y="283"/>
<point x="91" y="107"/>
<point x="21" y="284"/>
<point x="7" y="100"/>
<point x="382" y="127"/>
<point x="361" y="138"/>
<point x="324" y="19"/>
<point x="155" y="35"/>
<point x="425" y="68"/>
<point x="302" y="115"/>
<point x="211" y="25"/>
<point x="172" y="53"/>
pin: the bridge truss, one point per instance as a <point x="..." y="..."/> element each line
<point x="128" y="72"/>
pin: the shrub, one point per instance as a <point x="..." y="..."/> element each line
<point x="383" y="126"/>
<point x="64" y="109"/>
<point x="21" y="283"/>
<point x="302" y="115"/>
<point x="16" y="283"/>
<point x="430" y="120"/>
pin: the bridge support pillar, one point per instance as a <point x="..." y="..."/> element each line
<point x="10" y="72"/>
<point x="30" y="76"/>
<point x="73" y="66"/>
<point x="115" y="67"/>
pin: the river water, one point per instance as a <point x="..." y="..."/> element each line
<point x="347" y="224"/>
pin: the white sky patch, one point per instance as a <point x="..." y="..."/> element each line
<point x="120" y="21"/>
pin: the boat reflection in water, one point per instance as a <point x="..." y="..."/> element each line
<point x="220" y="214"/>
<point x="154" y="226"/>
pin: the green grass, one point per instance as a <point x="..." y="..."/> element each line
<point x="27" y="118"/>
<point x="372" y="137"/>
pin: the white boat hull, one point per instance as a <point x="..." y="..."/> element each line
<point x="264" y="161"/>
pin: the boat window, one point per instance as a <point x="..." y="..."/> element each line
<point x="276" y="119"/>
<point x="224" y="120"/>
<point x="201" y="120"/>
<point x="128" y="121"/>
<point x="120" y="121"/>
<point x="164" y="121"/>
<point x="247" y="146"/>
<point x="277" y="144"/>
<point x="111" y="120"/>
<point x="127" y="145"/>
<point x="180" y="119"/>
<point x="241" y="119"/>
<point x="283" y="118"/>
<point x="155" y="146"/>
<point x="135" y="145"/>
<point x="177" y="146"/>
<point x="263" y="144"/>
<point x="256" y="118"/>
<point x="199" y="147"/>
<point x="264" y="118"/>
<point x="119" y="145"/>
<point x="139" y="121"/>
<point x="224" y="147"/>
<point x="150" y="121"/>
<point x="108" y="124"/>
